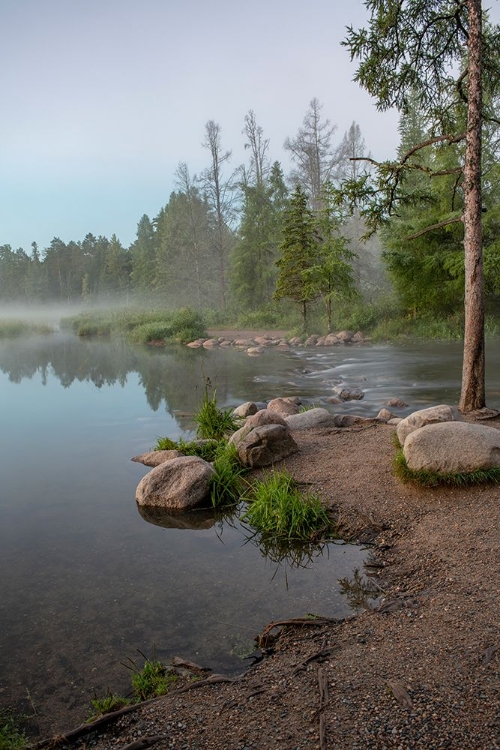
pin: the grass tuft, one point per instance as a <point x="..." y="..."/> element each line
<point x="226" y="486"/>
<point x="433" y="478"/>
<point x="214" y="423"/>
<point x="11" y="735"/>
<point x="106" y="704"/>
<point x="206" y="449"/>
<point x="152" y="680"/>
<point x="277" y="509"/>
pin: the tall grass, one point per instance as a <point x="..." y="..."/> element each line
<point x="15" y="328"/>
<point x="278" y="509"/>
<point x="212" y="422"/>
<point x="139" y="326"/>
<point x="226" y="484"/>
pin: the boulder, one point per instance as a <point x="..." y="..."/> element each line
<point x="252" y="351"/>
<point x="385" y="415"/>
<point x="306" y="420"/>
<point x="260" y="418"/>
<point x="196" y="344"/>
<point x="348" y="393"/>
<point x="349" y="420"/>
<point x="358" y="338"/>
<point x="311" y="340"/>
<point x="211" y="343"/>
<point x="451" y="447"/>
<point x="283" y="406"/>
<point x="179" y="484"/>
<point x="155" y="458"/>
<point x="265" y="445"/>
<point x="432" y="415"/>
<point x="345" y="336"/>
<point x="396" y="403"/>
<point x="245" y="410"/>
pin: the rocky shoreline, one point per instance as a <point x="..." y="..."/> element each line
<point x="418" y="670"/>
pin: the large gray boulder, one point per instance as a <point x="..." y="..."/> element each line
<point x="179" y="484"/>
<point x="265" y="445"/>
<point x="432" y="415"/>
<point x="451" y="447"/>
<point x="306" y="420"/>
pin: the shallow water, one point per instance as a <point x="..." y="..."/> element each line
<point x="86" y="581"/>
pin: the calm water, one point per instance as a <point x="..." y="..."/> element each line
<point x="86" y="581"/>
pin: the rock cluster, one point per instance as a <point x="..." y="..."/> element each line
<point x="434" y="439"/>
<point x="258" y="344"/>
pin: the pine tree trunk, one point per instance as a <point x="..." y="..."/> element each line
<point x="473" y="373"/>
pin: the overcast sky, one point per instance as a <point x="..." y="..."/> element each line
<point x="101" y="99"/>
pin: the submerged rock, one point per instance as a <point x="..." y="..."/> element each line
<point x="179" y="484"/>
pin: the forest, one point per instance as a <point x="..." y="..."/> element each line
<point x="252" y="244"/>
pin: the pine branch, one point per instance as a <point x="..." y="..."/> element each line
<point x="431" y="227"/>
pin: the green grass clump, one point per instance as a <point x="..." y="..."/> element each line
<point x="140" y="326"/>
<point x="433" y="478"/>
<point x="201" y="448"/>
<point x="106" y="704"/>
<point x="211" y="422"/>
<point x="14" y="328"/>
<point x="11" y="735"/>
<point x="226" y="485"/>
<point x="152" y="680"/>
<point x="278" y="509"/>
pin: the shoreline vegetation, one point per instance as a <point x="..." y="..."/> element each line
<point x="381" y="322"/>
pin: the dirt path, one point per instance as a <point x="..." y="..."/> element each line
<point x="420" y="671"/>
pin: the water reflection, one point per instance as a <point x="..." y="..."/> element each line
<point x="420" y="373"/>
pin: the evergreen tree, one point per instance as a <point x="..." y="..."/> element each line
<point x="254" y="257"/>
<point x="413" y="48"/>
<point x="299" y="253"/>
<point x="143" y="254"/>
<point x="331" y="275"/>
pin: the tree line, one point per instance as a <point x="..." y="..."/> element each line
<point x="218" y="241"/>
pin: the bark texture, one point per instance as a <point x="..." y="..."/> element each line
<point x="473" y="374"/>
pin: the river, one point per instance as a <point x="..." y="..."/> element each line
<point x="87" y="584"/>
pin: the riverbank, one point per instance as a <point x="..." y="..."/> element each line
<point x="421" y="670"/>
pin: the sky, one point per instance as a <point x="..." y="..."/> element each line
<point x="101" y="100"/>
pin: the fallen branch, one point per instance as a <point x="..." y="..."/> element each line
<point x="323" y="701"/>
<point x="83" y="729"/>
<point x="300" y="621"/>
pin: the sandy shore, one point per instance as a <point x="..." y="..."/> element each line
<point x="420" y="670"/>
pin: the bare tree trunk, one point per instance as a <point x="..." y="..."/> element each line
<point x="473" y="373"/>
